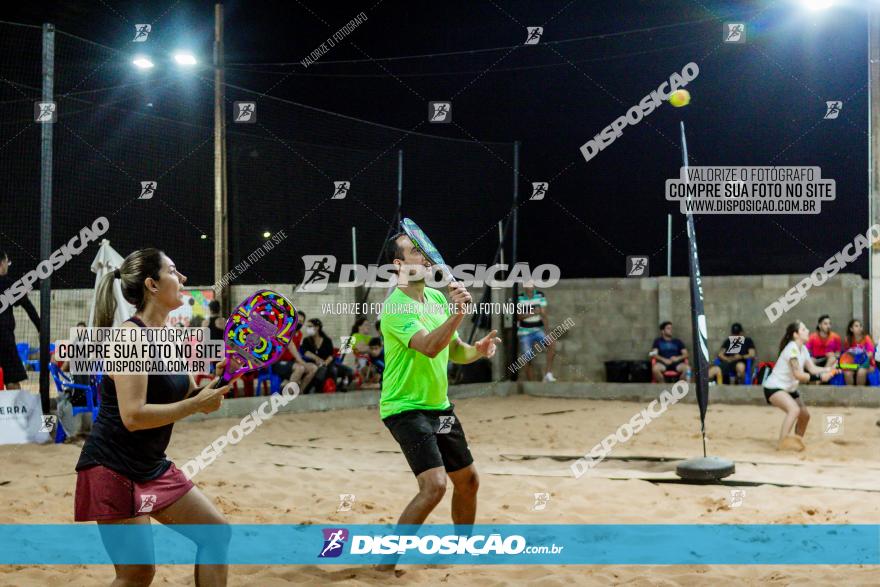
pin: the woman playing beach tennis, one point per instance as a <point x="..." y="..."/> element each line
<point x="123" y="476"/>
<point x="793" y="366"/>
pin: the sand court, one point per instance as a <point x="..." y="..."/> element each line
<point x="293" y="469"/>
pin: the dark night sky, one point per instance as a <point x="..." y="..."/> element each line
<point x="757" y="104"/>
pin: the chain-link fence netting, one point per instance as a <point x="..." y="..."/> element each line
<point x="137" y="147"/>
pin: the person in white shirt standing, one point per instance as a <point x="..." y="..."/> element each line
<point x="793" y="366"/>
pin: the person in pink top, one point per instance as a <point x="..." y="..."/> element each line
<point x="859" y="346"/>
<point x="824" y="345"/>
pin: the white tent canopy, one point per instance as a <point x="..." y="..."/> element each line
<point x="106" y="261"/>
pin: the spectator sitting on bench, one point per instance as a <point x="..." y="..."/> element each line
<point x="670" y="354"/>
<point x="824" y="345"/>
<point x="734" y="353"/>
<point x="377" y="364"/>
<point x="858" y="354"/>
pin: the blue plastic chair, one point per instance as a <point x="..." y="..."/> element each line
<point x="64" y="384"/>
<point x="873" y="379"/>
<point x="35" y="364"/>
<point x="24" y="353"/>
<point x="274" y="380"/>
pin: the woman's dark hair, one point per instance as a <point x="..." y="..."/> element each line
<point x="357" y="324"/>
<point x="214" y="307"/>
<point x="819" y="321"/>
<point x="3" y="255"/>
<point x="850" y="337"/>
<point x="789" y="332"/>
<point x="317" y="324"/>
<point x="136" y="268"/>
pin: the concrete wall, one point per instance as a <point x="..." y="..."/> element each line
<point x="614" y="318"/>
<point x="618" y="318"/>
<point x="644" y="393"/>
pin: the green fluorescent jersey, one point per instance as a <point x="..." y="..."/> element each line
<point x="411" y="380"/>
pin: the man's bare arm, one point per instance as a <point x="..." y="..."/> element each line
<point x="432" y="343"/>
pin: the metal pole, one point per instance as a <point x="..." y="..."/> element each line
<point x="874" y="164"/>
<point x="354" y="246"/>
<point x="46" y="211"/>
<point x="669" y="245"/>
<point x="399" y="186"/>
<point x="221" y="227"/>
<point x="513" y="246"/>
<point x="501" y="240"/>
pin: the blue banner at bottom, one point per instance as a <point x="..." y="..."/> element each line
<point x="624" y="544"/>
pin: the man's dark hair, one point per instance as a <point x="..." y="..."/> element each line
<point x="3" y="254"/>
<point x="375" y="341"/>
<point x="392" y="248"/>
<point x="818" y="322"/>
<point x="736" y="328"/>
<point x="664" y="324"/>
<point x="214" y="307"/>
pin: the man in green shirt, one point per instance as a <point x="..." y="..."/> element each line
<point x="420" y="338"/>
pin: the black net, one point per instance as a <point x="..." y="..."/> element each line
<point x="137" y="147"/>
<point x="284" y="168"/>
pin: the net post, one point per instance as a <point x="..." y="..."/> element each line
<point x="874" y="167"/>
<point x="399" y="186"/>
<point x="46" y="211"/>
<point x="221" y="229"/>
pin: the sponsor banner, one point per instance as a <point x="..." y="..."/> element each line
<point x="21" y="418"/>
<point x="585" y="544"/>
<point x="134" y="351"/>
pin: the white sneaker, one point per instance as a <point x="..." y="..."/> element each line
<point x="549" y="378"/>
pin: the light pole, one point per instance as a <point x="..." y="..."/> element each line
<point x="874" y="163"/>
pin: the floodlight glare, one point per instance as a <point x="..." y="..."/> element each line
<point x="184" y="58"/>
<point x="142" y="62"/>
<point x="817" y="5"/>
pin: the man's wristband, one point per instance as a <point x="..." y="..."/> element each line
<point x="814" y="377"/>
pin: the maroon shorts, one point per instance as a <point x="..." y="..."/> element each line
<point x="103" y="494"/>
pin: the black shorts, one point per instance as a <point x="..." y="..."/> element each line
<point x="430" y="438"/>
<point x="728" y="368"/>
<point x="770" y="391"/>
<point x="10" y="362"/>
<point x="672" y="367"/>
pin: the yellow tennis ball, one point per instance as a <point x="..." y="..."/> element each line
<point x="680" y="98"/>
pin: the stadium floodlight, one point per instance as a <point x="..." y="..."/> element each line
<point x="142" y="62"/>
<point x="267" y="234"/>
<point x="185" y="58"/>
<point x="817" y="5"/>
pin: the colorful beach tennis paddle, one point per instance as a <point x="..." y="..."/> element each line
<point x="424" y="244"/>
<point x="854" y="358"/>
<point x="257" y="332"/>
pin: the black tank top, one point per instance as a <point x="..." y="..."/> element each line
<point x="138" y="455"/>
